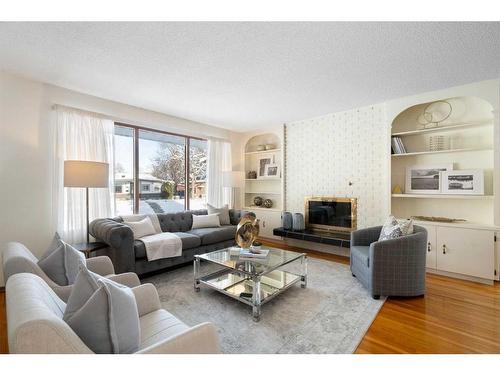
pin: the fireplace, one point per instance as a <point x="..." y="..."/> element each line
<point x="331" y="214"/>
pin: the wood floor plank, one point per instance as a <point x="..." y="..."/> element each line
<point x="3" y="325"/>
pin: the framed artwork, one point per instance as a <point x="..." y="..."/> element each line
<point x="262" y="165"/>
<point x="423" y="179"/>
<point x="272" y="171"/>
<point x="463" y="182"/>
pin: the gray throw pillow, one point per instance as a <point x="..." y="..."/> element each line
<point x="61" y="262"/>
<point x="223" y="213"/>
<point x="391" y="229"/>
<point x="103" y="314"/>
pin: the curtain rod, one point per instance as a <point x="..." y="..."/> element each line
<point x="125" y="121"/>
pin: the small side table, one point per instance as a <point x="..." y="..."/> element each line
<point x="88" y="247"/>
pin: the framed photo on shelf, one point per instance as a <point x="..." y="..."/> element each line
<point x="463" y="182"/>
<point x="424" y="179"/>
<point x="272" y="171"/>
<point x="263" y="161"/>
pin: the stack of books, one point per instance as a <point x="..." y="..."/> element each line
<point x="245" y="253"/>
<point x="397" y="146"/>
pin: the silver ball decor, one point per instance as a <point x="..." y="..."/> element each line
<point x="258" y="201"/>
<point x="268" y="203"/>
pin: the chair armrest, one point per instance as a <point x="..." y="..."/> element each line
<point x="146" y="297"/>
<point x="129" y="279"/>
<point x="120" y="239"/>
<point x="364" y="237"/>
<point x="101" y="265"/>
<point x="200" y="339"/>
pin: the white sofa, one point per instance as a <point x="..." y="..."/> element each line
<point x="18" y="259"/>
<point x="35" y="324"/>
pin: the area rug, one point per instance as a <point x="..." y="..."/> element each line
<point x="331" y="315"/>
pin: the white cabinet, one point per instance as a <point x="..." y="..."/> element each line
<point x="268" y="221"/>
<point x="466" y="251"/>
<point x="462" y="251"/>
<point x="431" y="246"/>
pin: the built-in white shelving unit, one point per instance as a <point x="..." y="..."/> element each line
<point x="464" y="249"/>
<point x="264" y="187"/>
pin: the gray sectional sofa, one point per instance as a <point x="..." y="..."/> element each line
<point x="129" y="255"/>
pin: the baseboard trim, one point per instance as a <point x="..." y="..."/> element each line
<point x="460" y="276"/>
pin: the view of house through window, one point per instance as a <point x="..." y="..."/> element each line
<point x="161" y="176"/>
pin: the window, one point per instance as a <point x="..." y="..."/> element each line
<point x="157" y="162"/>
<point x="124" y="170"/>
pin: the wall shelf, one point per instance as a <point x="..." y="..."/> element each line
<point x="263" y="152"/>
<point x="251" y="208"/>
<point x="263" y="179"/>
<point x="450" y="127"/>
<point x="442" y="196"/>
<point x="263" y="192"/>
<point x="443" y="151"/>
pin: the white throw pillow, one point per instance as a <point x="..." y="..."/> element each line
<point x="141" y="228"/>
<point x="394" y="229"/>
<point x="61" y="262"/>
<point x="206" y="221"/>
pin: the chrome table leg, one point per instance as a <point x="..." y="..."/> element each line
<point x="256" y="301"/>
<point x="196" y="267"/>
<point x="303" y="278"/>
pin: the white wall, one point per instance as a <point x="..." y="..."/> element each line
<point x="26" y="149"/>
<point x="326" y="153"/>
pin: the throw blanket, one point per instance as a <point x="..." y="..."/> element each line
<point x="162" y="245"/>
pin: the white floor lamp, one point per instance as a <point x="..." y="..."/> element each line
<point x="233" y="180"/>
<point x="86" y="174"/>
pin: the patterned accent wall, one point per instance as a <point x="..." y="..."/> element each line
<point x="324" y="154"/>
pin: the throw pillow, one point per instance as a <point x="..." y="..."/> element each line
<point x="206" y="221"/>
<point x="103" y="314"/>
<point x="141" y="228"/>
<point x="61" y="262"/>
<point x="223" y="213"/>
<point x="391" y="229"/>
<point x="407" y="226"/>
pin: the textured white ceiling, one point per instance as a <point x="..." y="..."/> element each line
<point x="244" y="76"/>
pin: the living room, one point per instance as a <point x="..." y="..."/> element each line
<point x="250" y="188"/>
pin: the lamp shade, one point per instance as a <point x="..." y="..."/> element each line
<point x="88" y="174"/>
<point x="233" y="179"/>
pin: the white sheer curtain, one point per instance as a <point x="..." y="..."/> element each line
<point x="81" y="135"/>
<point x="219" y="160"/>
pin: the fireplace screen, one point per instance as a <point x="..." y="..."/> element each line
<point x="334" y="214"/>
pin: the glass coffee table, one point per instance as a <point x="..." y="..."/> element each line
<point x="253" y="281"/>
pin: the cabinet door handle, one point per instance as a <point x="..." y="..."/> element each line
<point x="429" y="247"/>
<point x="444" y="249"/>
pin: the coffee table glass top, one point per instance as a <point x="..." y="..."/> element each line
<point x="251" y="266"/>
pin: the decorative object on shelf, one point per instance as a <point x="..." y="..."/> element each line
<point x="261" y="147"/>
<point x="262" y="164"/>
<point x="287" y="220"/>
<point x="438" y="219"/>
<point x="298" y="222"/>
<point x="438" y="143"/>
<point x="247" y="231"/>
<point x="268" y="203"/>
<point x="425" y="179"/>
<point x="258" y="201"/>
<point x="252" y="175"/>
<point x="435" y="113"/>
<point x="272" y="171"/>
<point x="397" y="189"/>
<point x="463" y="182"/>
<point x="270" y="146"/>
<point x="397" y="146"/>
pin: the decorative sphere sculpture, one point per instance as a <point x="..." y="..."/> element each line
<point x="268" y="203"/>
<point x="258" y="201"/>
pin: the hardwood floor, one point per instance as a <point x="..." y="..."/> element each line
<point x="454" y="317"/>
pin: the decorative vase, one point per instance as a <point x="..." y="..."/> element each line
<point x="298" y="222"/>
<point x="287" y="220"/>
<point x="258" y="201"/>
<point x="252" y="175"/>
<point x="261" y="147"/>
<point x="268" y="203"/>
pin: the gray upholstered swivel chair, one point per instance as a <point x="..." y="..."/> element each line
<point x="18" y="259"/>
<point x="392" y="267"/>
